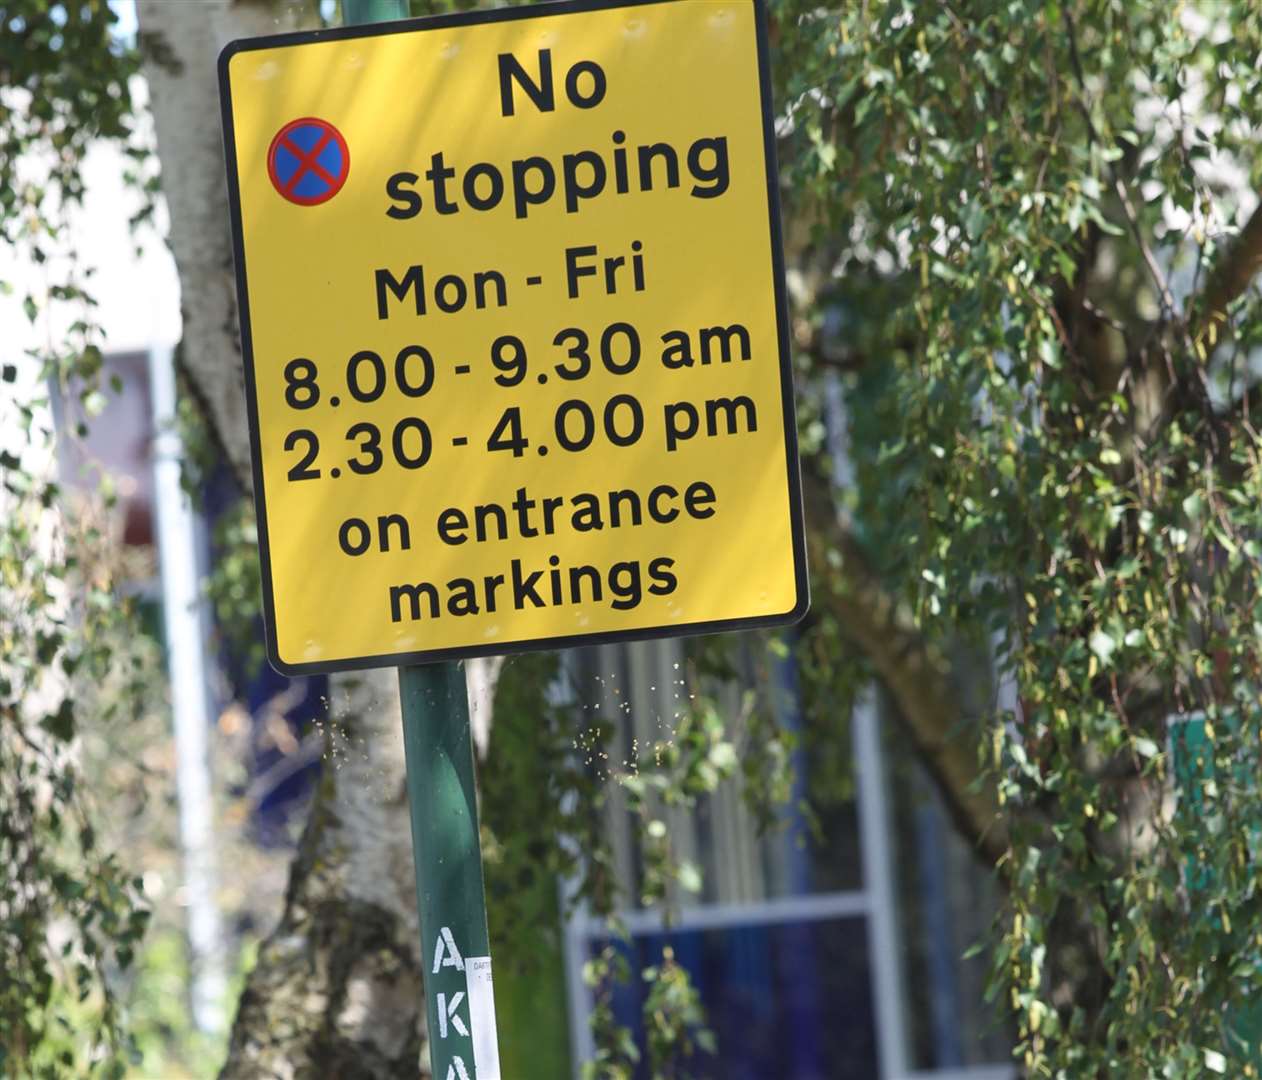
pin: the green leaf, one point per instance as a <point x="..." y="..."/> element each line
<point x="60" y="724"/>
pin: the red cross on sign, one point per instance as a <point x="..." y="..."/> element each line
<point x="308" y="161"/>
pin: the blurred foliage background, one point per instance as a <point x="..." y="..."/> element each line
<point x="1022" y="237"/>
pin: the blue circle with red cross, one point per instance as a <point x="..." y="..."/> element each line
<point x="308" y="161"/>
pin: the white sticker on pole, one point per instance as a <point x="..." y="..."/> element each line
<point x="486" y="1047"/>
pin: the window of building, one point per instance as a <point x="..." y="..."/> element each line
<point x="819" y="954"/>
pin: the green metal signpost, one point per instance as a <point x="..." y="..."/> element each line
<point x="454" y="943"/>
<point x="437" y="739"/>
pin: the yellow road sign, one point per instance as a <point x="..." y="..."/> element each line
<point x="514" y="326"/>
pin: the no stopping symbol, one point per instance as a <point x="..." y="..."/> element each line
<point x="308" y="161"/>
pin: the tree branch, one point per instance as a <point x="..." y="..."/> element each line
<point x="179" y="39"/>
<point x="1231" y="277"/>
<point x="916" y="676"/>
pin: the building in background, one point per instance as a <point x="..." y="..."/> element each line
<point x="820" y="953"/>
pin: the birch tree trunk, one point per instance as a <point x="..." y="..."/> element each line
<point x="181" y="42"/>
<point x="337" y="987"/>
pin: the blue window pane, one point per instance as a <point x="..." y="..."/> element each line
<point x="946" y="902"/>
<point x="785" y="1000"/>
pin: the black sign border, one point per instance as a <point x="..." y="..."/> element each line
<point x="499" y="648"/>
